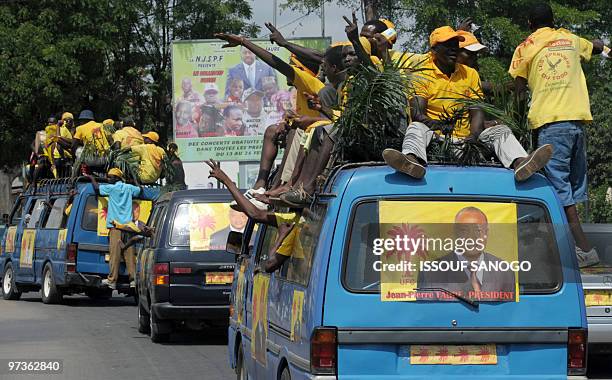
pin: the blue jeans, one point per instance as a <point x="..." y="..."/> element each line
<point x="567" y="168"/>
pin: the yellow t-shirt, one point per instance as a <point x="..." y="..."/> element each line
<point x="151" y="157"/>
<point x="286" y="247"/>
<point x="92" y="133"/>
<point x="550" y="61"/>
<point x="440" y="91"/>
<point x="128" y="137"/>
<point x="304" y="82"/>
<point x="51" y="147"/>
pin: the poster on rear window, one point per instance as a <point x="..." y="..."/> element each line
<point x="211" y="223"/>
<point x="444" y="251"/>
<point x="141" y="209"/>
<point x="223" y="99"/>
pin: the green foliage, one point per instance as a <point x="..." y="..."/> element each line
<point x="599" y="209"/>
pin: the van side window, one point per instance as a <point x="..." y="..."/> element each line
<point x="56" y="218"/>
<point x="158" y="224"/>
<point x="89" y="221"/>
<point x="36" y="213"/>
<point x="267" y="241"/>
<point x="17" y="212"/>
<point x="180" y="226"/>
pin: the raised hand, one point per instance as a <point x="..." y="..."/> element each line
<point x="466" y="24"/>
<point x="232" y="39"/>
<point x="351" y="29"/>
<point x="314" y="103"/>
<point x="217" y="172"/>
<point x="275" y="35"/>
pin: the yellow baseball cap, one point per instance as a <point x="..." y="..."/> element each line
<point x="116" y="172"/>
<point x="390" y="25"/>
<point x="365" y="44"/>
<point x="341" y="43"/>
<point x="108" y="122"/>
<point x="443" y="34"/>
<point x="152" y="136"/>
<point x="470" y="41"/>
<point x="67" y="115"/>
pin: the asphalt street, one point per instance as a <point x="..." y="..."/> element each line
<point x="99" y="340"/>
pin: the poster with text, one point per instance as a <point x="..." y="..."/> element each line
<point x="141" y="209"/>
<point x="223" y="99"/>
<point x="26" y="256"/>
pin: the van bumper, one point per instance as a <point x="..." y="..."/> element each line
<point x="80" y="279"/>
<point x="166" y="310"/>
<point x="600" y="329"/>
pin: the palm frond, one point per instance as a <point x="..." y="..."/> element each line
<point x="126" y="161"/>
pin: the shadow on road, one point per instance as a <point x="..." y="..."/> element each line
<point x="84" y="301"/>
<point x="214" y="336"/>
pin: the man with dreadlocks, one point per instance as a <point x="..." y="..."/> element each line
<point x="443" y="84"/>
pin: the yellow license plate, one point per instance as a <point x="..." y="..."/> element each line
<point x="598" y="297"/>
<point x="218" y="278"/>
<point x="476" y="354"/>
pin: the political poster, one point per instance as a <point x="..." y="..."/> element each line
<point x="260" y="318"/>
<point x="141" y="209"/>
<point x="9" y="245"/>
<point x="210" y="224"/>
<point x="297" y="308"/>
<point x="26" y="256"/>
<point x="61" y="238"/>
<point x="446" y="251"/>
<point x="223" y="99"/>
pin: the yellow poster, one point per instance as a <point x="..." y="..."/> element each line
<point x="453" y="355"/>
<point x="61" y="238"/>
<point x="26" y="256"/>
<point x="9" y="245"/>
<point x="259" y="335"/>
<point x="211" y="223"/>
<point x="239" y="297"/>
<point x="467" y="248"/>
<point x="141" y="209"/>
<point x="296" y="315"/>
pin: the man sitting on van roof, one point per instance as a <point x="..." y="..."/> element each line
<point x="151" y="157"/>
<point x="120" y="195"/>
<point x="128" y="136"/>
<point x="443" y="81"/>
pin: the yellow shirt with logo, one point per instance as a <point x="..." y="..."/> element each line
<point x="151" y="157"/>
<point x="51" y="147"/>
<point x="128" y="137"/>
<point x="442" y="93"/>
<point x="92" y="133"/>
<point x="304" y="82"/>
<point x="550" y="61"/>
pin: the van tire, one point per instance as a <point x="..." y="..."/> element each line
<point x="49" y="291"/>
<point x="285" y="375"/>
<point x="155" y="324"/>
<point x="241" y="372"/>
<point x="9" y="288"/>
<point x="143" y="320"/>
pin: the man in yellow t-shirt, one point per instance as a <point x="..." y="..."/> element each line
<point x="90" y="132"/>
<point x="443" y="81"/>
<point x="151" y="157"/>
<point x="548" y="62"/>
<point x="129" y="135"/>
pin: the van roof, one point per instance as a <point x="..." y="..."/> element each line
<point x="215" y="195"/>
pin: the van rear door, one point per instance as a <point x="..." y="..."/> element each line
<point x="441" y="330"/>
<point x="201" y="271"/>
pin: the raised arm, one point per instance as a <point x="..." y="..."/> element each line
<point x="303" y="53"/>
<point x="269" y="58"/>
<point x="352" y="32"/>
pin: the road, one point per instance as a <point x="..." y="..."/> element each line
<point x="100" y="340"/>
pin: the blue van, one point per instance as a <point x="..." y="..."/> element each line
<point x="322" y="315"/>
<point x="52" y="243"/>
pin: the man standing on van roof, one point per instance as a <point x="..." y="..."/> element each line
<point x="90" y="132"/>
<point x="548" y="61"/>
<point x="443" y="84"/>
<point x="120" y="196"/>
<point x="151" y="157"/>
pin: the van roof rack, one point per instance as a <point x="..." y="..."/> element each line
<point x="63" y="186"/>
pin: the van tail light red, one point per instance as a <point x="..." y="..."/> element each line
<point x="181" y="270"/>
<point x="324" y="351"/>
<point x="71" y="257"/>
<point x="576" y="351"/>
<point x="162" y="274"/>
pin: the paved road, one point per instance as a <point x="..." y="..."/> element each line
<point x="100" y="340"/>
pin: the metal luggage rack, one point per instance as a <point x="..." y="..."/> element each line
<point x="63" y="186"/>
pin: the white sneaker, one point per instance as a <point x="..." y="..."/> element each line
<point x="111" y="285"/>
<point x="132" y="284"/>
<point x="250" y="195"/>
<point x="587" y="259"/>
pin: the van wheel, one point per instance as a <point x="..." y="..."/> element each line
<point x="241" y="372"/>
<point x="143" y="320"/>
<point x="99" y="294"/>
<point x="9" y="289"/>
<point x="285" y="375"/>
<point x="155" y="326"/>
<point x="50" y="293"/>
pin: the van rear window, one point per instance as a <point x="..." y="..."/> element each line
<point x="489" y="249"/>
<point x="205" y="226"/>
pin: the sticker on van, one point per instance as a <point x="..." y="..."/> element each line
<point x="26" y="257"/>
<point x="260" y="318"/>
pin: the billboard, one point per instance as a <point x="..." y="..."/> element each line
<point x="223" y="99"/>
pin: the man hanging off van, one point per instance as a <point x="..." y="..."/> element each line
<point x="120" y="196"/>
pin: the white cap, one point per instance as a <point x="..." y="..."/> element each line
<point x="475" y="47"/>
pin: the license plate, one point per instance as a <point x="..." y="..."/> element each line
<point x="217" y="278"/>
<point x="478" y="354"/>
<point x="598" y="297"/>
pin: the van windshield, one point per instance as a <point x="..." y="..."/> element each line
<point x="421" y="250"/>
<point x="205" y="226"/>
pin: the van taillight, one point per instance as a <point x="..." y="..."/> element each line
<point x="324" y="351"/>
<point x="181" y="270"/>
<point x="162" y="274"/>
<point x="71" y="257"/>
<point x="576" y="352"/>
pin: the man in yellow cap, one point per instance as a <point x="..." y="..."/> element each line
<point x="57" y="147"/>
<point x="444" y="82"/>
<point x="128" y="136"/>
<point x="120" y="195"/>
<point x="151" y="157"/>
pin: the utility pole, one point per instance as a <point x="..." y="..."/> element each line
<point x="322" y="18"/>
<point x="274" y="4"/>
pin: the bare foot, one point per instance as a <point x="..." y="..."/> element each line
<point x="278" y="191"/>
<point x="262" y="198"/>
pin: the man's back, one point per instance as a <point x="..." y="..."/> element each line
<point x="120" y="196"/>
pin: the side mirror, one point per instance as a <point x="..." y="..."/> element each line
<point x="234" y="242"/>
